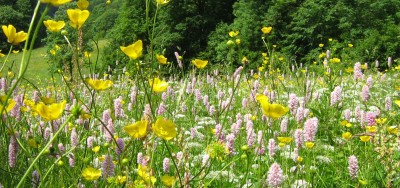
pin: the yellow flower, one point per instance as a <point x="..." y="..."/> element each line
<point x="120" y="180"/>
<point x="134" y="50"/>
<point x="397" y="102"/>
<point x="309" y="144"/>
<point x="55" y="3"/>
<point x="335" y="60"/>
<point x="299" y="159"/>
<point x="96" y="149"/>
<point x="362" y="182"/>
<point x="48" y="100"/>
<point x="161" y="59"/>
<point x="50" y="112"/>
<point x="349" y="70"/>
<point x="168" y="180"/>
<point x="371" y="129"/>
<point x="330" y="39"/>
<point x="350" y="45"/>
<point x="87" y="54"/>
<point x="233" y="33"/>
<point x="217" y="150"/>
<point x="99" y="85"/>
<point x="14" y="51"/>
<point x="322" y="55"/>
<point x="12" y="36"/>
<point x="91" y="174"/>
<point x="230" y="43"/>
<point x="10" y="74"/>
<point x="392" y="129"/>
<point x="200" y="64"/>
<point x="138" y="129"/>
<point x="365" y="138"/>
<point x="54" y="26"/>
<point x="347" y="135"/>
<point x="321" y="45"/>
<point x="52" y="52"/>
<point x="364" y="66"/>
<point x="274" y="111"/>
<point x="237" y="41"/>
<point x="158" y="85"/>
<point x="163" y="2"/>
<point x="345" y="123"/>
<point x="77" y="17"/>
<point x="32" y="143"/>
<point x="1" y="54"/>
<point x="266" y="30"/>
<point x="83" y="4"/>
<point x="285" y="140"/>
<point x="381" y="121"/>
<point x="164" y="128"/>
<point x="143" y="172"/>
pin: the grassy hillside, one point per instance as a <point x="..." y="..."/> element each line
<point x="38" y="69"/>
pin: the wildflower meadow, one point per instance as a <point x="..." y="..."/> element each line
<point x="179" y="122"/>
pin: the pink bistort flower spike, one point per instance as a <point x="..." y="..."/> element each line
<point x="275" y="176"/>
<point x="353" y="167"/>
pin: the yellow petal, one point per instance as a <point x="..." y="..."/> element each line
<point x="134" y="50"/>
<point x="77" y="17"/>
<point x="161" y="59"/>
<point x="54" y="26"/>
<point x="200" y="64"/>
<point x="266" y="30"/>
<point x="138" y="129"/>
<point x="83" y="4"/>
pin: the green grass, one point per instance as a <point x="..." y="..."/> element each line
<point x="38" y="68"/>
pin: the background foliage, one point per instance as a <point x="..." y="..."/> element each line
<point x="200" y="28"/>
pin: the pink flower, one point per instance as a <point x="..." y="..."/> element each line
<point x="107" y="167"/>
<point x="230" y="142"/>
<point x="12" y="151"/>
<point x="166" y="165"/>
<point x="120" y="146"/>
<point x="388" y="103"/>
<point x="293" y="103"/>
<point x="271" y="147"/>
<point x="336" y="95"/>
<point x="357" y="71"/>
<point x="284" y="125"/>
<point x="74" y="138"/>
<point x="365" y="93"/>
<point x="353" y="167"/>
<point x="275" y="175"/>
<point x="310" y="129"/>
<point x="298" y="138"/>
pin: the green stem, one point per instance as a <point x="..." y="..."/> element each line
<point x="23" y="67"/>
<point x="43" y="151"/>
<point x="222" y="170"/>
<point x="173" y="161"/>
<point x="4" y="63"/>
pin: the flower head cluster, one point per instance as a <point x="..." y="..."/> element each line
<point x="275" y="175"/>
<point x="353" y="167"/>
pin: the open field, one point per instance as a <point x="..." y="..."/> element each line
<point x="245" y="111"/>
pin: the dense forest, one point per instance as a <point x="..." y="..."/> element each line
<point x="353" y="30"/>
